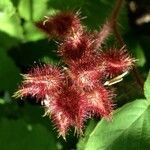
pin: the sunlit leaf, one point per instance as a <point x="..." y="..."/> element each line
<point x="32" y="10"/>
<point x="9" y="20"/>
<point x="147" y="87"/>
<point x="83" y="140"/>
<point x="128" y="130"/>
<point x="31" y="32"/>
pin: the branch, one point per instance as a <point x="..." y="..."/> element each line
<point x="113" y="19"/>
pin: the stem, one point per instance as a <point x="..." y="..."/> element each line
<point x="109" y="26"/>
<point x="118" y="36"/>
<point x="138" y="77"/>
<point x="113" y="20"/>
<point x="116" y="10"/>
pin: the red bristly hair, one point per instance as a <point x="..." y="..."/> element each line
<point x="75" y="93"/>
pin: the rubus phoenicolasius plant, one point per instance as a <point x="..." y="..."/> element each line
<point x="80" y="88"/>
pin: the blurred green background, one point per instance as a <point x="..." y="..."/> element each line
<point x="23" y="46"/>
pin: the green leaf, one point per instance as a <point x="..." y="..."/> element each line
<point x="83" y="140"/>
<point x="128" y="130"/>
<point x="31" y="32"/>
<point x="32" y="10"/>
<point x="9" y="73"/>
<point x="2" y="101"/>
<point x="10" y="21"/>
<point x="7" y="41"/>
<point x="139" y="55"/>
<point x="19" y="135"/>
<point x="147" y="87"/>
<point x="15" y="2"/>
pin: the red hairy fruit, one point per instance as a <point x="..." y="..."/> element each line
<point x="41" y="81"/>
<point x="87" y="80"/>
<point x="76" y="92"/>
<point x="68" y="109"/>
<point x="76" y="47"/>
<point x="117" y="61"/>
<point x="100" y="101"/>
<point x="60" y="24"/>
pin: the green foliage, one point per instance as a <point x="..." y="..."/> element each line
<point x="22" y="128"/>
<point x="129" y="129"/>
<point x="82" y="142"/>
<point x="10" y="21"/>
<point x="17" y="134"/>
<point x="32" y="10"/>
<point x="147" y="87"/>
<point x="9" y="73"/>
